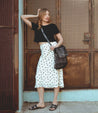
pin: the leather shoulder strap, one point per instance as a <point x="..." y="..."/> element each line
<point x="45" y="36"/>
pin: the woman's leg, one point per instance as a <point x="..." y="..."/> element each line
<point x="56" y="91"/>
<point x="41" y="97"/>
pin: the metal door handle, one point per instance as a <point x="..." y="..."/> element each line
<point x="87" y="37"/>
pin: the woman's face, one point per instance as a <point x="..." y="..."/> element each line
<point x="46" y="17"/>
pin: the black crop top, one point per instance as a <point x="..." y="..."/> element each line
<point x="50" y="30"/>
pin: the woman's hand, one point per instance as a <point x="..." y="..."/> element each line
<point x="52" y="47"/>
<point x="38" y="11"/>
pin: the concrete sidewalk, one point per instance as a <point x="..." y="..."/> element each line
<point x="64" y="107"/>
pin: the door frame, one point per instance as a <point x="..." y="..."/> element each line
<point x="16" y="59"/>
<point x="90" y="50"/>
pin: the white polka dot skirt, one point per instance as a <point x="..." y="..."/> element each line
<point x="46" y="75"/>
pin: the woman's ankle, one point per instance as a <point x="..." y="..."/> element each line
<point x="42" y="103"/>
<point x="55" y="102"/>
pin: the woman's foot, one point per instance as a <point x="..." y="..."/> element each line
<point x="53" y="107"/>
<point x="37" y="106"/>
<point x="41" y="105"/>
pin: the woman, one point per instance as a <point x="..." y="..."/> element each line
<point x="46" y="75"/>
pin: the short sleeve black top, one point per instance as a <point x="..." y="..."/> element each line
<point x="50" y="30"/>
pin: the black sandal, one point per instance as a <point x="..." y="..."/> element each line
<point x="35" y="107"/>
<point x="53" y="106"/>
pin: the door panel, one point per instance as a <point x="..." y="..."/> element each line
<point x="8" y="67"/>
<point x="6" y="11"/>
<point x="76" y="73"/>
<point x="74" y="22"/>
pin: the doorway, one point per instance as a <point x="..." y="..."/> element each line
<point x="75" y="19"/>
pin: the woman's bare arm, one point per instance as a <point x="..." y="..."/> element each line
<point x="25" y="18"/>
<point x="60" y="38"/>
<point x="60" y="41"/>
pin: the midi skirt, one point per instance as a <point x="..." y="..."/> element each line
<point x="46" y="75"/>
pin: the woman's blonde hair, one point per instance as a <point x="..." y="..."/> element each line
<point x="42" y="12"/>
